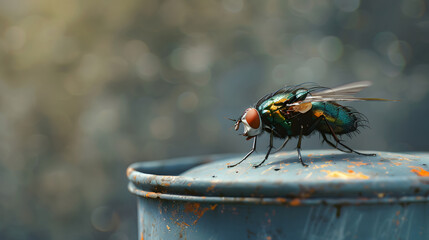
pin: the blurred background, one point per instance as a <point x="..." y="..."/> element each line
<point x="89" y="87"/>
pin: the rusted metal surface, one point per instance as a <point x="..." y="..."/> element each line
<point x="339" y="196"/>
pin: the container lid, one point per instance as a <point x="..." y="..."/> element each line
<point x="332" y="177"/>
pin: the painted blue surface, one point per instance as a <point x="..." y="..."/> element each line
<point x="339" y="196"/>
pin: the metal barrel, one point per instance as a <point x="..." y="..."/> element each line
<point x="339" y="196"/>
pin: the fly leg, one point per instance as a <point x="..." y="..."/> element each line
<point x="339" y="142"/>
<point x="248" y="154"/>
<point x="268" y="153"/>
<point x="298" y="148"/>
<point x="333" y="145"/>
<point x="283" y="145"/>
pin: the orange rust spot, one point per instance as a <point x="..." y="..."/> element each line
<point x="295" y="202"/>
<point x="129" y="171"/>
<point x="190" y="207"/>
<point x="142" y="237"/>
<point x="345" y="175"/>
<point x="380" y="163"/>
<point x="309" y="155"/>
<point x="269" y="238"/>
<point x="350" y="166"/>
<point x="182" y="224"/>
<point x="325" y="165"/>
<point x="168" y="228"/>
<point x="151" y="195"/>
<point x="197" y="210"/>
<point x="419" y="171"/>
<point x="211" y="188"/>
<point x="165" y="184"/>
<point x="359" y="163"/>
<point x="397" y="222"/>
<point x="189" y="184"/>
<point x="397" y="164"/>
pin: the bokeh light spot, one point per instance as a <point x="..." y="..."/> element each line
<point x="104" y="219"/>
<point x="347" y="5"/>
<point x="233" y="6"/>
<point x="382" y="41"/>
<point x="330" y="48"/>
<point x="147" y="66"/>
<point x="15" y="38"/>
<point x="162" y="128"/>
<point x="399" y="52"/>
<point x="188" y="101"/>
<point x="413" y="8"/>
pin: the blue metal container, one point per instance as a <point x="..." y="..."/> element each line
<point x="339" y="196"/>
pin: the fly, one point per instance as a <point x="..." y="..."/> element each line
<point x="298" y="111"/>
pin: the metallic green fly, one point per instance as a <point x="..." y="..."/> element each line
<point x="298" y="111"/>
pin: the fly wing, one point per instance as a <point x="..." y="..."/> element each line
<point x="342" y="93"/>
<point x="348" y="89"/>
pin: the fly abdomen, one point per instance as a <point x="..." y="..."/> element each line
<point x="341" y="119"/>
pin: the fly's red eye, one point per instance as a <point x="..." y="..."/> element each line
<point x="252" y="118"/>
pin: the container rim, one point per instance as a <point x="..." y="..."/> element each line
<point x="161" y="179"/>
